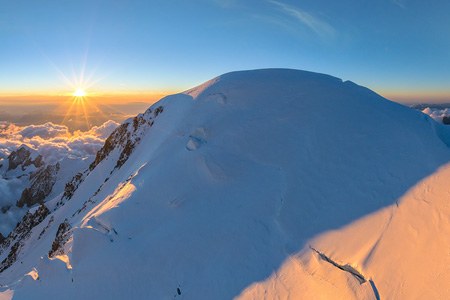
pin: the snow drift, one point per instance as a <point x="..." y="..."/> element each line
<point x="257" y="184"/>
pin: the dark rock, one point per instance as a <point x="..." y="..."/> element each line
<point x="5" y="209"/>
<point x="118" y="136"/>
<point x="60" y="239"/>
<point x="42" y="182"/>
<point x="158" y="110"/>
<point x="22" y="156"/>
<point x="446" y="120"/>
<point x="124" y="139"/>
<point x="72" y="185"/>
<point x="18" y="236"/>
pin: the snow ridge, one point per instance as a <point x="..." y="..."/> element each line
<point x="219" y="192"/>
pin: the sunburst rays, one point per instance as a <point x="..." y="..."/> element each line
<point x="80" y="107"/>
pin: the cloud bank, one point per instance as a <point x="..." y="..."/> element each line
<point x="54" y="141"/>
<point x="437" y="113"/>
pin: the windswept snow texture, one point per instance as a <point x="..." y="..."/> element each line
<point x="235" y="183"/>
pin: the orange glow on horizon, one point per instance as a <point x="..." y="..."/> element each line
<point x="37" y="98"/>
<point x="417" y="96"/>
<point x="77" y="100"/>
<point x="77" y="113"/>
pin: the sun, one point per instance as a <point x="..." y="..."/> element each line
<point x="79" y="93"/>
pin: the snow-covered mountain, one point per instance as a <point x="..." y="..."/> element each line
<point x="266" y="184"/>
<point x="16" y="171"/>
<point x="26" y="179"/>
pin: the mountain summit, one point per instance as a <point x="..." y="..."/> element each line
<point x="257" y="184"/>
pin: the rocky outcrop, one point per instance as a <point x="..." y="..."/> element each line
<point x="22" y="157"/>
<point x="70" y="188"/>
<point x="18" y="236"/>
<point x="61" y="238"/>
<point x="126" y="137"/>
<point x="123" y="139"/>
<point x="118" y="137"/>
<point x="446" y="120"/>
<point x="42" y="182"/>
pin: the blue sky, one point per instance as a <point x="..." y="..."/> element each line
<point x="400" y="48"/>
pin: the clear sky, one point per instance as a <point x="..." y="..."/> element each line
<point x="399" y="48"/>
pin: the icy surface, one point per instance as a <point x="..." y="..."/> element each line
<point x="271" y="184"/>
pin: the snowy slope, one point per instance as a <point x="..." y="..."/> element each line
<point x="26" y="179"/>
<point x="257" y="184"/>
<point x="15" y="175"/>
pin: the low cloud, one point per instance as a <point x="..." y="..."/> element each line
<point x="46" y="131"/>
<point x="437" y="113"/>
<point x="54" y="141"/>
<point x="102" y="131"/>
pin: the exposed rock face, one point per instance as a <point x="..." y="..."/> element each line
<point x="60" y="239"/>
<point x="18" y="236"/>
<point x="28" y="180"/>
<point x="253" y="183"/>
<point x="42" y="182"/>
<point x="123" y="140"/>
<point x="446" y="120"/>
<point x="119" y="136"/>
<point x="72" y="185"/>
<point x="22" y="157"/>
<point x="126" y="137"/>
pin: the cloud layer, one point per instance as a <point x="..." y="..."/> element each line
<point x="437" y="113"/>
<point x="54" y="141"/>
